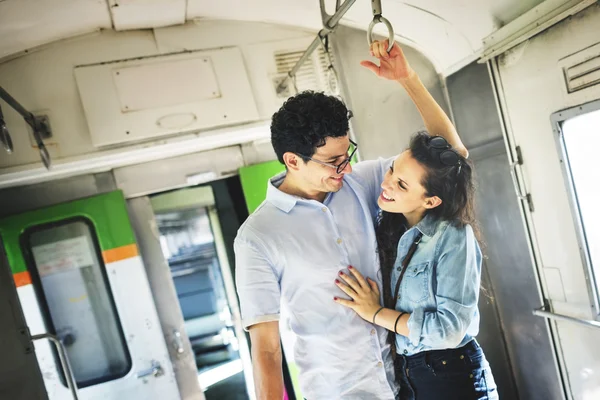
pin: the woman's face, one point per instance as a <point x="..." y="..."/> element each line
<point x="402" y="188"/>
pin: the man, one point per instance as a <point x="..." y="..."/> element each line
<point x="317" y="220"/>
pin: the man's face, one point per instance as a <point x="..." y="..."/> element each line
<point x="316" y="177"/>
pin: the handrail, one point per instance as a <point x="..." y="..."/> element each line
<point x="329" y="26"/>
<point x="542" y="312"/>
<point x="64" y="361"/>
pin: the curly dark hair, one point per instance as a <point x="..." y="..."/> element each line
<point x="304" y="122"/>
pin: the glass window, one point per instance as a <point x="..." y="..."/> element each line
<point x="73" y="288"/>
<point x="581" y="141"/>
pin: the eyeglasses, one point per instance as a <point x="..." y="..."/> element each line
<point x="438" y="146"/>
<point x="341" y="166"/>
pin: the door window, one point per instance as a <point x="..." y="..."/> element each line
<point x="73" y="288"/>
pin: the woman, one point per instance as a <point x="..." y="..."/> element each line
<point x="431" y="266"/>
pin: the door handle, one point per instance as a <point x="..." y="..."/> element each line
<point x="64" y="361"/>
<point x="155" y="370"/>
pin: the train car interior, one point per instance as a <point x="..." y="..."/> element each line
<point x="135" y="141"/>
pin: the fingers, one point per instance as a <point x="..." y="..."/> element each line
<point x="350" y="282"/>
<point x="374" y="286"/>
<point x="346" y="303"/>
<point x="350" y="292"/>
<point x="396" y="50"/>
<point x="359" y="278"/>
<point x="383" y="46"/>
<point x="370" y="66"/>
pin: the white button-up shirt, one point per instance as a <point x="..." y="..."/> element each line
<point x="290" y="250"/>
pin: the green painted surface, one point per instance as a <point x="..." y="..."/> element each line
<point x="107" y="212"/>
<point x="254" y="181"/>
<point x="294" y="373"/>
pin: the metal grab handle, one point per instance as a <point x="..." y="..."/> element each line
<point x="376" y="20"/>
<point x="38" y="126"/>
<point x="64" y="361"/>
<point x="379" y="18"/>
<point x="542" y="312"/>
<point x="155" y="370"/>
<point x="513" y="174"/>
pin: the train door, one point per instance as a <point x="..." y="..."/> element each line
<point x="549" y="92"/>
<point x="18" y="356"/>
<point x="81" y="279"/>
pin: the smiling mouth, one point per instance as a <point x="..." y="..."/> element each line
<point x="337" y="179"/>
<point x="385" y="197"/>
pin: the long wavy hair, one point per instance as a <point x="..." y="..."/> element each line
<point x="454" y="185"/>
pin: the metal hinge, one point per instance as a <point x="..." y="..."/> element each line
<point x="513" y="172"/>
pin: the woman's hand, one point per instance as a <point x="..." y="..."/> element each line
<point x="364" y="294"/>
<point x="392" y="65"/>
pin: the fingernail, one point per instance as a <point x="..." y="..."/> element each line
<point x="335" y="298"/>
<point x="350" y="267"/>
<point x="336" y="281"/>
<point x="341" y="273"/>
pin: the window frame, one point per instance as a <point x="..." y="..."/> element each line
<point x="26" y="248"/>
<point x="592" y="279"/>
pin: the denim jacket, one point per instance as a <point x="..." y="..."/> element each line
<point x="440" y="288"/>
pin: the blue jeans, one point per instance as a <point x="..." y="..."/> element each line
<point x="453" y="374"/>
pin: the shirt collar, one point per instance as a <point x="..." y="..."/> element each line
<point x="428" y="225"/>
<point x="279" y="199"/>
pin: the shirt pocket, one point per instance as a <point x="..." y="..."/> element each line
<point x="415" y="283"/>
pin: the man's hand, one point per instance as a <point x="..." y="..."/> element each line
<point x="364" y="294"/>
<point x="393" y="65"/>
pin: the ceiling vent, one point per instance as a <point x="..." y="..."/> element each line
<point x="314" y="74"/>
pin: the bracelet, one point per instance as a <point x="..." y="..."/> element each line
<point x="377" y="312"/>
<point x="396" y="324"/>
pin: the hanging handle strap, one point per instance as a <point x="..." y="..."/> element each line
<point x="377" y="19"/>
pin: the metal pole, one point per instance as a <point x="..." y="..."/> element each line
<point x="64" y="361"/>
<point x="541" y="312"/>
<point x="29" y="118"/>
<point x="330" y="25"/>
<point x="339" y="14"/>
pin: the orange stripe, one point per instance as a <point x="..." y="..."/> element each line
<point x="22" y="278"/>
<point x="120" y="253"/>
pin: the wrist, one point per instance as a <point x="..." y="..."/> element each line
<point x="410" y="79"/>
<point x="374" y="312"/>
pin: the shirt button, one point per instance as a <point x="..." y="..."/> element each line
<point x="324" y="209"/>
<point x="339" y="241"/>
<point x="373" y="332"/>
<point x="405" y="351"/>
<point x="379" y="364"/>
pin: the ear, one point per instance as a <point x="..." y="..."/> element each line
<point x="432" y="202"/>
<point x="292" y="161"/>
